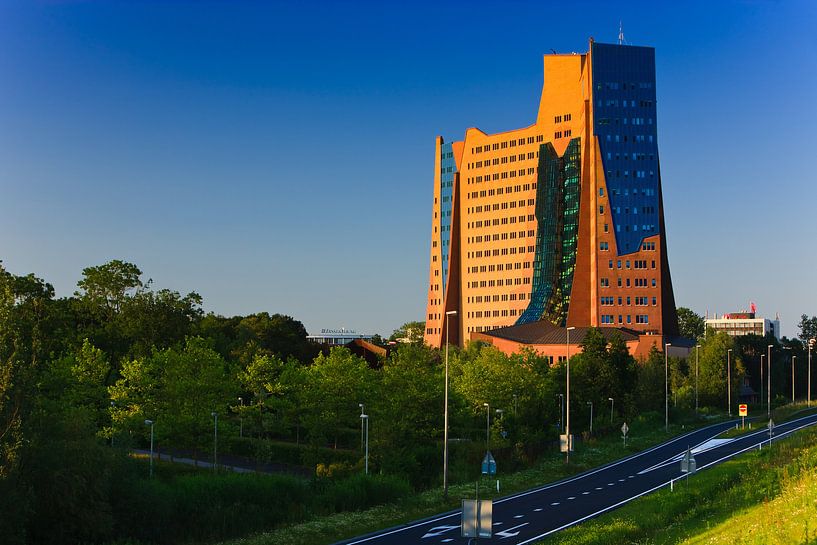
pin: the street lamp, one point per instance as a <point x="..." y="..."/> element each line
<point x="150" y="423"/>
<point x="792" y="377"/>
<point x="362" y="412"/>
<point x="666" y="387"/>
<point x="214" y="414"/>
<point x="112" y="430"/>
<point x="241" y="417"/>
<point x="729" y="381"/>
<point x="561" y="412"/>
<point x="487" y="426"/>
<point x="591" y="416"/>
<point x="769" y="381"/>
<point x="612" y="402"/>
<point x="697" y="346"/>
<point x="762" y="356"/>
<point x="810" y="346"/>
<point x="445" y="432"/>
<point x="567" y="418"/>
<point x="365" y="418"/>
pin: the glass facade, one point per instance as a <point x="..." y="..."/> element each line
<point x="447" y="169"/>
<point x="557" y="217"/>
<point x="625" y="123"/>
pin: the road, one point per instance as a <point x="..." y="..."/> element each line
<point x="528" y="516"/>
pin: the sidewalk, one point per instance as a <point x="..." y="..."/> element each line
<point x="230" y="463"/>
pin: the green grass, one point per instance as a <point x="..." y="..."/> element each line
<point x="766" y="496"/>
<point x="590" y="454"/>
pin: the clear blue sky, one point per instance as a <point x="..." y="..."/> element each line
<point x="279" y="156"/>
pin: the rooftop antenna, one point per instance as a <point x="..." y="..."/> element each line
<point x="620" y="33"/>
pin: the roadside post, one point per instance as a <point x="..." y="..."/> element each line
<point x="771" y="431"/>
<point x="477" y="514"/>
<point x="624" y="430"/>
<point x="743" y="411"/>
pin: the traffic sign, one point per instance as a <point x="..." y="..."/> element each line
<point x="624" y="430"/>
<point x="743" y="410"/>
<point x="688" y="464"/>
<point x="477" y="518"/>
<point x="564" y="442"/>
<point x="488" y="464"/>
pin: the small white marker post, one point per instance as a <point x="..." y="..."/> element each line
<point x="624" y="430"/>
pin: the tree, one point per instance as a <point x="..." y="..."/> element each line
<point x="105" y="287"/>
<point x="409" y="400"/>
<point x="178" y="389"/>
<point x="334" y="385"/>
<point x="410" y="332"/>
<point x="690" y="324"/>
<point x="808" y="328"/>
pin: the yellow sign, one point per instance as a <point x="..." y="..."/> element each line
<point x="743" y="410"/>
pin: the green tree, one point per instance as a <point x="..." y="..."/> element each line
<point x="410" y="332"/>
<point x="690" y="324"/>
<point x="178" y="389"/>
<point x="334" y="386"/>
<point x="409" y="400"/>
<point x="808" y="328"/>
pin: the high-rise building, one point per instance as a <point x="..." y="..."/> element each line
<point x="561" y="221"/>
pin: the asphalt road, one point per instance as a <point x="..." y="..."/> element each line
<point x="525" y="517"/>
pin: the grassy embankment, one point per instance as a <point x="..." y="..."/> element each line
<point x="593" y="453"/>
<point x="767" y="496"/>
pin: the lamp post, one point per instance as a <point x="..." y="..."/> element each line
<point x="810" y="346"/>
<point x="762" y="356"/>
<point x="364" y="418"/>
<point x="241" y="417"/>
<point x="112" y="430"/>
<point x="729" y="381"/>
<point x="567" y="414"/>
<point x="792" y="377"/>
<point x="150" y="423"/>
<point x="561" y="412"/>
<point x="612" y="402"/>
<point x="697" y="346"/>
<point x="487" y="426"/>
<point x="769" y="380"/>
<point x="445" y="412"/>
<point x="362" y="412"/>
<point x="591" y="416"/>
<point x="666" y="387"/>
<point x="214" y="414"/>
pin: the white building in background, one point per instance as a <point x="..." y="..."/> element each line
<point x="337" y="337"/>
<point x="745" y="323"/>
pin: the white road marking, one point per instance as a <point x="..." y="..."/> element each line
<point x="446" y="540"/>
<point x="498" y="523"/>
<point x="518" y="516"/>
<point x="439" y="530"/>
<point x="538" y="509"/>
<point x="572" y="498"/>
<point x="585" y="493"/>
<point x="612" y="484"/>
<point x="598" y="488"/>
<point x="505" y="534"/>
<point x="621" y="480"/>
<point x="555" y="503"/>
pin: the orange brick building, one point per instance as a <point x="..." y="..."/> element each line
<point x="559" y="222"/>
